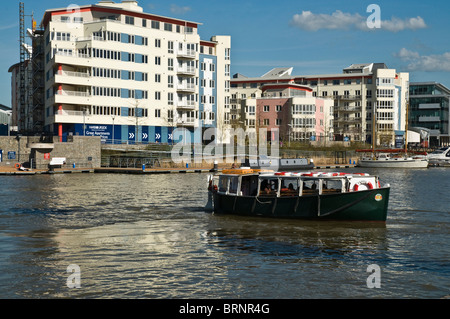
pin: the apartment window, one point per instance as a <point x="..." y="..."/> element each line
<point x="155" y="25"/>
<point x="62" y="36"/>
<point x="65" y="19"/>
<point x="167" y="26"/>
<point x="170" y="81"/>
<point x="170" y="99"/>
<point x="170" y="64"/>
<point x="266" y="122"/>
<point x="170" y="46"/>
<point x="227" y="54"/>
<point x="278" y="108"/>
<point x="157" y="95"/>
<point x="157" y="113"/>
<point x="157" y="60"/>
<point x="278" y="122"/>
<point x="188" y="30"/>
<point x="144" y="23"/>
<point x="157" y="43"/>
<point x="266" y="108"/>
<point x="158" y="78"/>
<point x="129" y="20"/>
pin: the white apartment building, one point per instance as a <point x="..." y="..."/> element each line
<point x="113" y="71"/>
<point x="355" y="94"/>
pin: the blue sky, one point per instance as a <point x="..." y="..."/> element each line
<point x="314" y="37"/>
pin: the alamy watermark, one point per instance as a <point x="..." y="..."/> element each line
<point x="374" y="20"/>
<point x="374" y="279"/>
<point x="239" y="145"/>
<point x="74" y="279"/>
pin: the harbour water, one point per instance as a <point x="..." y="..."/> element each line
<point x="148" y="236"/>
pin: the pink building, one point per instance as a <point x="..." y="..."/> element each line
<point x="292" y="109"/>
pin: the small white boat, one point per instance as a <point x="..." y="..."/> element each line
<point x="440" y="157"/>
<point x="392" y="160"/>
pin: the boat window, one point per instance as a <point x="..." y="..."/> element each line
<point x="310" y="186"/>
<point x="223" y="184"/>
<point x="331" y="186"/>
<point x="234" y="181"/>
<point x="269" y="187"/>
<point x="249" y="185"/>
<point x="289" y="187"/>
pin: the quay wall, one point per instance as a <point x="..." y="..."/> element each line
<point x="83" y="151"/>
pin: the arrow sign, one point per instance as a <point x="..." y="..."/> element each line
<point x="144" y="136"/>
<point x="130" y="136"/>
<point x="158" y="136"/>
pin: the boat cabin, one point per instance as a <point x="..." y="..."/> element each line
<point x="293" y="184"/>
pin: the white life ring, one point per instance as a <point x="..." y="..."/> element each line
<point x="367" y="184"/>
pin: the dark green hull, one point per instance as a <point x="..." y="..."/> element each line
<point x="368" y="205"/>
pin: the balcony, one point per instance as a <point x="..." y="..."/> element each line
<point x="186" y="122"/>
<point x="69" y="116"/>
<point x="73" y="58"/>
<point x="72" y="78"/>
<point x="188" y="53"/>
<point x="348" y="108"/>
<point x="186" y="104"/>
<point x="347" y="97"/>
<point x="72" y="97"/>
<point x="186" y="87"/>
<point x="186" y="70"/>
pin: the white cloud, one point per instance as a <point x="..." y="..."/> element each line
<point x="179" y="10"/>
<point x="428" y="63"/>
<point x="339" y="20"/>
<point x="396" y="24"/>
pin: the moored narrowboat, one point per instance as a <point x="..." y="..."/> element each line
<point x="305" y="195"/>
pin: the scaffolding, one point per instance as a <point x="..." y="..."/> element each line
<point x="22" y="69"/>
<point x="31" y="78"/>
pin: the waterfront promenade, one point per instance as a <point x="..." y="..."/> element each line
<point x="121" y="170"/>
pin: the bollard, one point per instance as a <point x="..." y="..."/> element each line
<point x="73" y="166"/>
<point x="187" y="165"/>
<point x="143" y="167"/>
<point x="350" y="162"/>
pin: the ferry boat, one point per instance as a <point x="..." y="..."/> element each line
<point x="304" y="195"/>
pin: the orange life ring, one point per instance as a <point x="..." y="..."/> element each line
<point x="17" y="165"/>
<point x="356" y="187"/>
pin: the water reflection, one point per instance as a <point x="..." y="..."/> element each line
<point x="149" y="237"/>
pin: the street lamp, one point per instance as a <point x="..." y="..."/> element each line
<point x="290" y="131"/>
<point x="112" y="140"/>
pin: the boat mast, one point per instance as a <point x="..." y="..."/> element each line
<point x="374" y="138"/>
<point x="406" y="126"/>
